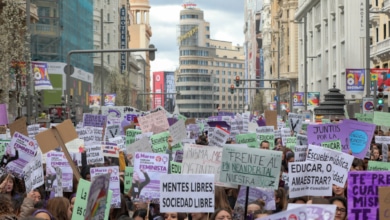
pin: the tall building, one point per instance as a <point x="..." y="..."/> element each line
<point x="266" y="32"/>
<point x="284" y="51"/>
<point x="207" y="68"/>
<point x="141" y="32"/>
<point x="63" y="26"/>
<point x="334" y="43"/>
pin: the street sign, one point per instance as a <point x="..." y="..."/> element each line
<point x="368" y="105"/>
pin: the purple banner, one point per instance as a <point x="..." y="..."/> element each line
<point x="355" y="80"/>
<point x="363" y="193"/>
<point x="94" y="120"/>
<point x="359" y="135"/>
<point x="226" y="114"/>
<point x="318" y="133"/>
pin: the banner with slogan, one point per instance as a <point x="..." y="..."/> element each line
<point x="250" y="167"/>
<point x="295" y="121"/>
<point x="187" y="193"/>
<point x="313" y="99"/>
<point x="300" y="153"/>
<point x="94" y="120"/>
<point x="94" y="154"/>
<point x="305" y="212"/>
<point x="90" y="134"/>
<point x="113" y="183"/>
<point x="21" y="150"/>
<point x="367" y="117"/>
<point x="355" y="80"/>
<point x="342" y="162"/>
<point x="155" y="122"/>
<point x="255" y="193"/>
<point x="41" y="76"/>
<point x="33" y="130"/>
<point x="250" y="139"/>
<point x="58" y="159"/>
<point x="298" y="99"/>
<point x="363" y="193"/>
<point x="381" y="118"/>
<point x="310" y="179"/>
<point x="109" y="99"/>
<point x="378" y="166"/>
<point x="199" y="159"/>
<point x="265" y="129"/>
<point x="318" y="133"/>
<point x="148" y="168"/>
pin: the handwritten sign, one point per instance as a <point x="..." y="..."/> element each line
<point x="80" y="204"/>
<point x="219" y="137"/>
<point x="291" y="142"/>
<point x="378" y="166"/>
<point x="178" y="131"/>
<point x="160" y="142"/>
<point x="250" y="167"/>
<point x="300" y="153"/>
<point x="130" y="135"/>
<point x="270" y="137"/>
<point x="310" y="179"/>
<point x="33" y="174"/>
<point x="363" y="188"/>
<point x="301" y="139"/>
<point x="94" y="120"/>
<point x="342" y="162"/>
<point x="295" y="121"/>
<point x="250" y="139"/>
<point x="94" y="154"/>
<point x="360" y="136"/>
<point x="368" y="117"/>
<point x="155" y="122"/>
<point x="187" y="193"/>
<point x="90" y="134"/>
<point x="175" y="168"/>
<point x="381" y="118"/>
<point x="128" y="178"/>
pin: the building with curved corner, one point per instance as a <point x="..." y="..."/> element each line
<point x="207" y="68"/>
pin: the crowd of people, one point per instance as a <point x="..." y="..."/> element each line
<point x="15" y="203"/>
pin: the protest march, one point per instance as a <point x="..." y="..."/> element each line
<point x="158" y="165"/>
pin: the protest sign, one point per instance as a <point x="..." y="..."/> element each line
<point x="271" y="118"/>
<point x="3" y="114"/>
<point x="250" y="139"/>
<point x="384" y="202"/>
<point x="295" y="121"/>
<point x="94" y="120"/>
<point x="80" y="204"/>
<point x="368" y="117"/>
<point x="178" y="132"/>
<point x="378" y="166"/>
<point x="270" y="137"/>
<point x="278" y="133"/>
<point x="130" y="135"/>
<point x="113" y="182"/>
<point x="300" y="153"/>
<point x="3" y="147"/>
<point x="119" y="112"/>
<point x="178" y="156"/>
<point x="199" y="159"/>
<point x="363" y="193"/>
<point x="285" y="133"/>
<point x="385" y="152"/>
<point x="360" y="136"/>
<point x="22" y="150"/>
<point x="90" y="134"/>
<point x="112" y="131"/>
<point x="291" y="142"/>
<point x="187" y="193"/>
<point x="119" y="141"/>
<point x="142" y="145"/>
<point x="250" y="167"/>
<point x="175" y="167"/>
<point x="53" y="160"/>
<point x="333" y="145"/>
<point x="255" y="193"/>
<point x="20" y="126"/>
<point x="301" y="139"/>
<point x="110" y="150"/>
<point x="219" y="137"/>
<point x="155" y="122"/>
<point x="381" y="118"/>
<point x="318" y="133"/>
<point x="97" y="197"/>
<point x="342" y="162"/>
<point x="33" y="130"/>
<point x="3" y="132"/>
<point x="75" y="146"/>
<point x="94" y="154"/>
<point x="265" y="129"/>
<point x="128" y="178"/>
<point x="148" y="168"/>
<point x="160" y="142"/>
<point x="33" y="174"/>
<point x="58" y="191"/>
<point x="305" y="212"/>
<point x="140" y="136"/>
<point x="285" y="179"/>
<point x="310" y="179"/>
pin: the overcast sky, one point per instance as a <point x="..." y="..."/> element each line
<point x="226" y="19"/>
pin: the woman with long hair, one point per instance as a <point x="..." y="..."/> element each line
<point x="59" y="207"/>
<point x="221" y="199"/>
<point x="221" y="214"/>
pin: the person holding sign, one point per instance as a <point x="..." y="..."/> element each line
<point x="137" y="186"/>
<point x="7" y="186"/>
<point x="341" y="210"/>
<point x="174" y="216"/>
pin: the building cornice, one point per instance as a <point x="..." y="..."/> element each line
<point x="304" y="8"/>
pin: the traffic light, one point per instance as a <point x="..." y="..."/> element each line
<point x="232" y="89"/>
<point x="152" y="54"/>
<point x="39" y="101"/>
<point x="237" y="81"/>
<point x="379" y="97"/>
<point x="63" y="108"/>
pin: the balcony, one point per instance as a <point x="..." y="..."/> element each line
<point x="386" y="6"/>
<point x="374" y="18"/>
<point x="381" y="50"/>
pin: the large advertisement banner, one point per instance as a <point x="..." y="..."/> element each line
<point x="355" y="80"/>
<point x="158" y="87"/>
<point x="382" y="77"/>
<point x="298" y="99"/>
<point x="41" y="76"/>
<point x="313" y="98"/>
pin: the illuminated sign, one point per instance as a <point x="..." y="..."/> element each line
<point x="188" y="34"/>
<point x="123" y="30"/>
<point x="189" y="5"/>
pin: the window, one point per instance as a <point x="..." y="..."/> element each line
<point x="108" y="38"/>
<point x="108" y="59"/>
<point x="108" y="17"/>
<point x="384" y="31"/>
<point x="44" y="15"/>
<point x="207" y="36"/>
<point x="377" y="34"/>
<point x="207" y="28"/>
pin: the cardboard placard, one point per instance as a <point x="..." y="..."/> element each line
<point x="271" y="118"/>
<point x="190" y="121"/>
<point x="3" y="130"/>
<point x="19" y="126"/>
<point x="384" y="202"/>
<point x="57" y="136"/>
